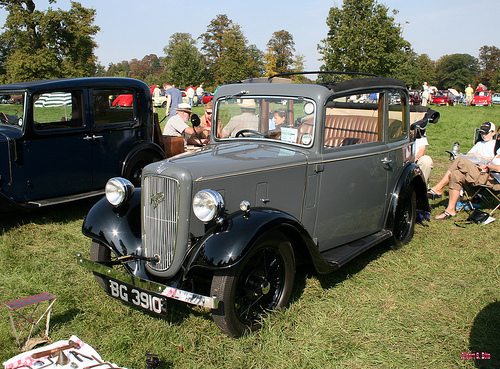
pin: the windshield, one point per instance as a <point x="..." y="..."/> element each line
<point x="274" y="118"/>
<point x="12" y="108"/>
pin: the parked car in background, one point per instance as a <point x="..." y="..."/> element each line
<point x="207" y="96"/>
<point x="126" y="100"/>
<point x="495" y="98"/>
<point x="481" y="98"/>
<point x="226" y="227"/>
<point x="443" y="97"/>
<point x="415" y="97"/>
<point x="67" y="138"/>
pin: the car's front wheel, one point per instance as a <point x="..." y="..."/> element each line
<point x="260" y="283"/>
<point x="404" y="218"/>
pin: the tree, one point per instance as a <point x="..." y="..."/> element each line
<point x="184" y="64"/>
<point x="279" y="56"/>
<point x="362" y="37"/>
<point x="51" y="44"/>
<point x="416" y="69"/>
<point x="456" y="71"/>
<point x="227" y="54"/>
<point x="489" y="60"/>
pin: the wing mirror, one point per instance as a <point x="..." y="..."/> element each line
<point x="195" y="120"/>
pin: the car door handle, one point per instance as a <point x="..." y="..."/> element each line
<point x="386" y="161"/>
<point x="94" y="137"/>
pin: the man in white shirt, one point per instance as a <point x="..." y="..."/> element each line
<point x="177" y="124"/>
<point x="199" y="95"/>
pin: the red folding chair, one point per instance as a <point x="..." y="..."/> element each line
<point x="30" y="319"/>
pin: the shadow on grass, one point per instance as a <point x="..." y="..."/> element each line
<point x="346" y="271"/>
<point x="484" y="340"/>
<point x="57" y="213"/>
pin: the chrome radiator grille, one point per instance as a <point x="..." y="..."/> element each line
<point x="160" y="202"/>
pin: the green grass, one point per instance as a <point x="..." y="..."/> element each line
<point x="418" y="307"/>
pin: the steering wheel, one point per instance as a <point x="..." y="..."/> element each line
<point x="242" y="132"/>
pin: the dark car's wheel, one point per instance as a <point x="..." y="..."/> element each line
<point x="404" y="218"/>
<point x="260" y="283"/>
<point x="133" y="170"/>
<point x="100" y="254"/>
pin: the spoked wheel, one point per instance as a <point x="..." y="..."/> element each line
<point x="260" y="283"/>
<point x="404" y="219"/>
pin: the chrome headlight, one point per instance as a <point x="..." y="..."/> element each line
<point x="119" y="190"/>
<point x="207" y="205"/>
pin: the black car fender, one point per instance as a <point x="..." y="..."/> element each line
<point x="412" y="175"/>
<point x="224" y="246"/>
<point x="117" y="228"/>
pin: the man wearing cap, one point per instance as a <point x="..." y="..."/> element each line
<point x="246" y="120"/>
<point x="177" y="125"/>
<point x="464" y="171"/>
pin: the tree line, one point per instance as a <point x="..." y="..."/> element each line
<point x="362" y="37"/>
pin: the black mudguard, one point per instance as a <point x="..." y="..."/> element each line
<point x="226" y="245"/>
<point x="118" y="228"/>
<point x="412" y="174"/>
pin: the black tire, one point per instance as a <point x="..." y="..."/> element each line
<point x="133" y="169"/>
<point x="404" y="218"/>
<point x="260" y="283"/>
<point x="99" y="254"/>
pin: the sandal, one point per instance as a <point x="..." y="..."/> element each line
<point x="446" y="216"/>
<point x="431" y="194"/>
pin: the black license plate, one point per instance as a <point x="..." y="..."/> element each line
<point x="136" y="296"/>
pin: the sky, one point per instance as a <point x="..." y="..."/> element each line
<point x="132" y="29"/>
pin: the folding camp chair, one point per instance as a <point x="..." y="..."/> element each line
<point x="495" y="194"/>
<point x="35" y="300"/>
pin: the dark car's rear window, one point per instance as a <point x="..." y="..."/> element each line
<point x="113" y="106"/>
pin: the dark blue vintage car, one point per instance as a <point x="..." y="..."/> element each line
<point x="61" y="140"/>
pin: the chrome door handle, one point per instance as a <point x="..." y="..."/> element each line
<point x="94" y="137"/>
<point x="386" y="161"/>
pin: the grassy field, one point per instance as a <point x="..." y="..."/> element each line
<point x="422" y="306"/>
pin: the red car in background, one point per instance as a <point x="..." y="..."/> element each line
<point x="443" y="97"/>
<point x="124" y="100"/>
<point x="481" y="98"/>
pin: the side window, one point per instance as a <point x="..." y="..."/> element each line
<point x="397" y="108"/>
<point x="57" y="110"/>
<point x="353" y="120"/>
<point x="113" y="106"/>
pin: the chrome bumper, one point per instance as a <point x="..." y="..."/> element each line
<point x="157" y="288"/>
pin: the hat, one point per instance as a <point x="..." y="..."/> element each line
<point x="487" y="127"/>
<point x="248" y="103"/>
<point x="184" y="107"/>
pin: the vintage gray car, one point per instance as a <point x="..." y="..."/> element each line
<point x="294" y="174"/>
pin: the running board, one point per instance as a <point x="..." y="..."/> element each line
<point x="63" y="199"/>
<point x="338" y="256"/>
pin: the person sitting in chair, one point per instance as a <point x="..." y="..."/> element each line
<point x="464" y="171"/>
<point x="177" y="125"/>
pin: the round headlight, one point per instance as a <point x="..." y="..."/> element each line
<point x="119" y="190"/>
<point x="207" y="205"/>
